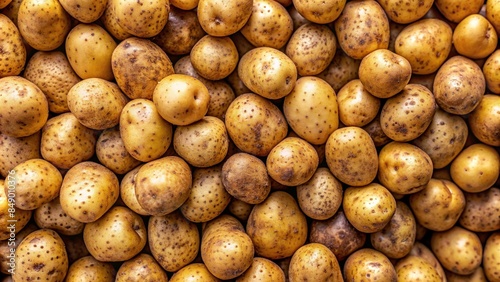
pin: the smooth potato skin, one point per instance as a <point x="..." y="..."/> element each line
<point x="14" y="151"/>
<point x="475" y="37"/>
<point x="319" y="12"/>
<point x="142" y="19"/>
<point x="192" y="273"/>
<point x="413" y="10"/>
<point x="262" y="269"/>
<point x="416" y="268"/>
<point x="357" y="106"/>
<point x="220" y="18"/>
<point x="143" y="267"/>
<point x="480" y="214"/>
<point x="491" y="264"/>
<point x="51" y="215"/>
<point x="14" y="51"/>
<point x="369" y="262"/>
<point x="214" y="58"/>
<point x="326" y="266"/>
<point x="483" y="121"/>
<point x="88" y="268"/>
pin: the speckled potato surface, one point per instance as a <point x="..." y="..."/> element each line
<point x="143" y="19"/>
<point x="314" y="261"/>
<point x="369" y="262"/>
<point x="86" y="11"/>
<point x="13" y="56"/>
<point x="221" y="18"/>
<point x="480" y="213"/>
<point x="484" y="120"/>
<point x="357" y="106"/>
<point x="90" y="269"/>
<point x="143" y="267"/>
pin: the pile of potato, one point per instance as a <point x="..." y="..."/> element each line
<point x="249" y="140"/>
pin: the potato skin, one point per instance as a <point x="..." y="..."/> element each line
<point x="475" y="37"/>
<point x="326" y="267"/>
<point x="143" y="19"/>
<point x="369" y="263"/>
<point x="480" y="214"/>
<point x="14" y="151"/>
<point x="220" y="18"/>
<point x="13" y="56"/>
<point x="357" y="106"/>
<point x="318" y="11"/>
<point x="490" y="257"/>
<point x="90" y="269"/>
<point x="143" y="267"/>
<point x="414" y="267"/>
<point x="484" y="120"/>
<point x="412" y="11"/>
<point x="193" y="272"/>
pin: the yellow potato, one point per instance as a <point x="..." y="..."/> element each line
<point x="423" y="251"/>
<point x="321" y="12"/>
<point x="193" y="272"/>
<point x="90" y="269"/>
<point x="110" y="21"/>
<point x="413" y="10"/>
<point x="484" y="120"/>
<point x="481" y="213"/>
<point x="374" y="129"/>
<point x="341" y="70"/>
<point x="414" y="268"/>
<point x="127" y="192"/>
<point x="491" y="262"/>
<point x="112" y="153"/>
<point x="14" y="151"/>
<point x="475" y="37"/>
<point x="456" y="10"/>
<point x="314" y="261"/>
<point x="86" y="11"/>
<point x="142" y="19"/>
<point x="262" y="269"/>
<point x="184" y="4"/>
<point x="491" y="76"/>
<point x="492" y="13"/>
<point x="51" y="215"/>
<point x="357" y="107"/>
<point x="9" y="212"/>
<point x="143" y="267"/>
<point x="214" y="58"/>
<point x="239" y="209"/>
<point x="13" y="55"/>
<point x="371" y="263"/>
<point x="222" y="18"/>
<point x="5" y="246"/>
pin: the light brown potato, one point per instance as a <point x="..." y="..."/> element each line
<point x="25" y="107"/>
<point x="13" y="56"/>
<point x="312" y="110"/>
<point x="143" y="19"/>
<point x="143" y="267"/>
<point x="214" y="58"/>
<point x="111" y="152"/>
<point x="184" y="4"/>
<point x="455" y="10"/>
<point x="193" y="272"/>
<point x="314" y="261"/>
<point x="297" y="18"/>
<point x="51" y="215"/>
<point x="491" y="262"/>
<point x="475" y="37"/>
<point x="86" y="11"/>
<point x="407" y="115"/>
<point x="476" y="168"/>
<point x="21" y="217"/>
<point x="262" y="269"/>
<point x="412" y="11"/>
<point x="484" y="120"/>
<point x="435" y="47"/>
<point x="374" y="129"/>
<point x="341" y="70"/>
<point x="480" y="213"/>
<point x="239" y="209"/>
<point x="12" y="10"/>
<point x="414" y="268"/>
<point x="318" y="11"/>
<point x="492" y="13"/>
<point x="438" y="206"/>
<point x="491" y="76"/>
<point x="384" y="73"/>
<point x="110" y="22"/>
<point x="371" y="263"/>
<point x="477" y="276"/>
<point x="138" y="64"/>
<point x="423" y="251"/>
<point x="357" y="107"/>
<point x="127" y="192"/>
<point x="14" y="151"/>
<point x="221" y="18"/>
<point x="458" y="250"/>
<point x="90" y="269"/>
<point x="5" y="261"/>
<point x="361" y="28"/>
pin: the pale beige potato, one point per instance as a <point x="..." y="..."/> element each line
<point x="444" y="139"/>
<point x="86" y="11"/>
<point x="312" y="109"/>
<point x="141" y="268"/>
<point x="414" y="268"/>
<point x="491" y="76"/>
<point x="140" y="118"/>
<point x="268" y="72"/>
<point x="89" y="48"/>
<point x="406" y="12"/>
<point x="369" y="208"/>
<point x="438" y="206"/>
<point x="320" y="197"/>
<point x="269" y="25"/>
<point x="65" y="142"/>
<point x="141" y="19"/>
<point x="112" y="153"/>
<point x="163" y="185"/>
<point x="110" y="22"/>
<point x="407" y="115"/>
<point x="357" y="106"/>
<point x="87" y="268"/>
<point x="255" y="124"/>
<point x="25" y="107"/>
<point x="384" y="73"/>
<point x="53" y="74"/>
<point x="13" y="56"/>
<point x="51" y="215"/>
<point x="43" y="24"/>
<point x="484" y="120"/>
<point x="22" y="217"/>
<point x="208" y="197"/>
<point x="361" y="28"/>
<point x="481" y="213"/>
<point x="14" y="151"/>
<point x="262" y="269"/>
<point x="193" y="272"/>
<point x="277" y="226"/>
<point x="341" y="70"/>
<point x="456" y="10"/>
<point x="174" y="241"/>
<point x="351" y="156"/>
<point x="475" y="37"/>
<point x="38" y="264"/>
<point x="181" y="32"/>
<point x="476" y="168"/>
<point x="214" y="58"/>
<point x="85" y="204"/>
<point x="184" y="4"/>
<point x="127" y="192"/>
<point x="492" y="13"/>
<point x="314" y="261"/>
<point x="421" y="250"/>
<point x="292" y="161"/>
<point x="138" y="65"/>
<point x="371" y="263"/>
<point x="321" y="12"/>
<point x="223" y="18"/>
<point x="425" y="43"/>
<point x="491" y="261"/>
<point x="458" y="250"/>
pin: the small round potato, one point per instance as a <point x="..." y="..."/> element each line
<point x="321" y="12"/>
<point x="214" y="58"/>
<point x="262" y="269"/>
<point x="110" y="22"/>
<point x="14" y="151"/>
<point x="370" y="263"/>
<point x="142" y="19"/>
<point x="491" y="261"/>
<point x="143" y="267"/>
<point x="89" y="269"/>
<point x="21" y="217"/>
<point x="413" y="10"/>
<point x="86" y="11"/>
<point x="316" y="262"/>
<point x="127" y="192"/>
<point x="414" y="268"/>
<point x="475" y="37"/>
<point x="13" y="55"/>
<point x="357" y="106"/>
<point x="193" y="272"/>
<point x="341" y="70"/>
<point x="481" y="213"/>
<point x="51" y="215"/>
<point x="112" y="153"/>
<point x="491" y="76"/>
<point x="484" y="121"/>
<point x="222" y="18"/>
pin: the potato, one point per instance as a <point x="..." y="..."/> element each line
<point x="491" y="77"/>
<point x="138" y="65"/>
<point x="53" y="74"/>
<point x="181" y="32"/>
<point x="484" y="120"/>
<point x="14" y="151"/>
<point x="369" y="208"/>
<point x="110" y="21"/>
<point x="4" y="3"/>
<point x="163" y="185"/>
<point x="407" y="115"/>
<point x="174" y="241"/>
<point x="491" y="13"/>
<point x="384" y="73"/>
<point x="255" y="124"/>
<point x="374" y="129"/>
<point x="245" y="178"/>
<point x="490" y="257"/>
<point x="37" y="263"/>
<point x="397" y="238"/>
<point x="421" y="250"/>
<point x="414" y="268"/>
<point x="213" y="57"/>
<point x="480" y="213"/>
<point x="7" y="260"/>
<point x="144" y="19"/>
<point x="475" y="37"/>
<point x="404" y="168"/>
<point x="184" y="4"/>
<point x="318" y="11"/>
<point x="456" y="11"/>
<point x="193" y="272"/>
<point x="368" y="263"/>
<point x="477" y="276"/>
<point x="51" y="215"/>
<point x="357" y="107"/>
<point x="457" y="249"/>
<point x="75" y="247"/>
<point x="341" y="70"/>
<point x="476" y="168"/>
<point x="85" y="11"/>
<point x="25" y="107"/>
<point x="320" y="197"/>
<point x="43" y="24"/>
<point x="89" y="269"/>
<point x="277" y="226"/>
<point x="412" y="11"/>
<point x="8" y="211"/>
<point x="208" y="197"/>
<point x="262" y="269"/>
<point x="438" y="206"/>
<point x="13" y="56"/>
<point x="239" y="209"/>
<point x="127" y="192"/>
<point x="351" y="156"/>
<point x="219" y="18"/>
<point x="292" y="162"/>
<point x="111" y="152"/>
<point x="444" y="139"/>
<point x="361" y="28"/>
<point x="338" y="234"/>
<point x="434" y="39"/>
<point x="88" y="191"/>
<point x="311" y="109"/>
<point x="141" y="268"/>
<point x="314" y="261"/>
